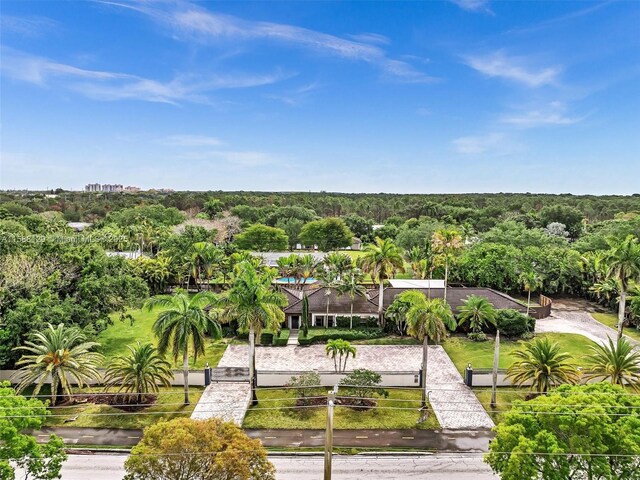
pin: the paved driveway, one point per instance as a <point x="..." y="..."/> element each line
<point x="579" y="322"/>
<point x="454" y="404"/>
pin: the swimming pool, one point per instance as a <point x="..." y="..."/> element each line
<point x="293" y="280"/>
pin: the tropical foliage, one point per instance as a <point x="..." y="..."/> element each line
<point x="337" y="350"/>
<point x="543" y="364"/>
<point x="617" y="363"/>
<point x="61" y="354"/>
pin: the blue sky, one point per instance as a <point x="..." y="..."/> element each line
<point x="451" y="96"/>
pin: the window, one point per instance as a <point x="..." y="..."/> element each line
<point x="319" y="321"/>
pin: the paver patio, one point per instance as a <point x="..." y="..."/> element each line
<point x="454" y="404"/>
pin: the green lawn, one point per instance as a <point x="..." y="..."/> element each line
<point x="345" y="417"/>
<point x="480" y="354"/>
<point x="168" y="405"/>
<point x="503" y="401"/>
<point x="611" y="320"/>
<point x="116" y="337"/>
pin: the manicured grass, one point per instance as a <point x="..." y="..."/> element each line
<point x="463" y="351"/>
<point x="168" y="405"/>
<point x="345" y="417"/>
<point x="503" y="401"/>
<point x="611" y="320"/>
<point x="116" y="337"/>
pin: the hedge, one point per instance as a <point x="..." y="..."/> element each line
<point x="513" y="323"/>
<point x="358" y="321"/>
<point x="350" y="335"/>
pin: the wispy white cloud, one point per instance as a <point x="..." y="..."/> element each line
<point x="559" y="20"/>
<point x="491" y="144"/>
<point x="473" y="5"/>
<point x="551" y="114"/>
<point x="29" y="26"/>
<point x="517" y="69"/>
<point x="191" y="141"/>
<point x="375" y="38"/>
<point x="109" y="86"/>
<point x="296" y="96"/>
<point x="192" y="22"/>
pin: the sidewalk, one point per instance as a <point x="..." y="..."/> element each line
<point x="225" y="400"/>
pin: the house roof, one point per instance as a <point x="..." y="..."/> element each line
<point x="456" y="296"/>
<point x="337" y="303"/>
<point x="397" y="283"/>
<point x="293" y="296"/>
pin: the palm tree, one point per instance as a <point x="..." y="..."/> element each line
<point x="339" y="348"/>
<point x="542" y="363"/>
<point x="414" y="256"/>
<point x="140" y="372"/>
<point x="381" y="261"/>
<point x="329" y="279"/>
<point x="429" y="319"/>
<point x="351" y="284"/>
<point x="61" y="354"/>
<point x="624" y="265"/>
<point x="203" y="257"/>
<point x="616" y="362"/>
<point x="308" y="267"/>
<point x="252" y="302"/>
<point x="478" y="311"/>
<point x="340" y="263"/>
<point x="401" y="305"/>
<point x="530" y="281"/>
<point x="183" y="321"/>
<point x="446" y="243"/>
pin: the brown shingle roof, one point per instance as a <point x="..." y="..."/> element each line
<point x="337" y="303"/>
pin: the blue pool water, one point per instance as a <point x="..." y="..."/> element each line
<point x="293" y="280"/>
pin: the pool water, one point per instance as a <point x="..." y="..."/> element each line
<point x="293" y="280"/>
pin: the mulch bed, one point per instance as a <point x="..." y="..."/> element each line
<point x="356" y="404"/>
<point x="123" y="402"/>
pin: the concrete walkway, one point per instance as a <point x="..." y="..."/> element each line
<point x="454" y="404"/>
<point x="226" y="400"/>
<point x="293" y="337"/>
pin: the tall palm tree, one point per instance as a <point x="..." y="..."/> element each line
<point x="401" y="305"/>
<point x="413" y="256"/>
<point x="530" y="281"/>
<point x="381" y="261"/>
<point x="542" y="363"/>
<point x="616" y="362"/>
<point x="429" y="319"/>
<point x="139" y="372"/>
<point x="339" y="348"/>
<point x="351" y="284"/>
<point x="202" y="259"/>
<point x="339" y="262"/>
<point x="308" y="267"/>
<point x="624" y="265"/>
<point x="478" y="311"/>
<point x="446" y="243"/>
<point x="252" y="302"/>
<point x="329" y="279"/>
<point x="183" y="322"/>
<point x="60" y="353"/>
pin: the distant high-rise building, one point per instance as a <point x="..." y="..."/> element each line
<point x="106" y="187"/>
<point x="131" y="189"/>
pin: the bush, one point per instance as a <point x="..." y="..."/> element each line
<point x="281" y="339"/>
<point x="513" y="323"/>
<point x="266" y="338"/>
<point x="358" y="322"/>
<point x="477" y="337"/>
<point x="527" y="335"/>
<point x="363" y="384"/>
<point x="349" y="335"/>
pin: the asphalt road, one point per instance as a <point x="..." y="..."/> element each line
<point x="388" y="467"/>
<point x="441" y="440"/>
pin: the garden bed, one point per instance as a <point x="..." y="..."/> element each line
<point x="288" y="415"/>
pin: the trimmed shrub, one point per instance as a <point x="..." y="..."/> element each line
<point x="266" y="338"/>
<point x="477" y="337"/>
<point x="348" y="335"/>
<point x="282" y="338"/>
<point x="343" y="321"/>
<point x="513" y="323"/>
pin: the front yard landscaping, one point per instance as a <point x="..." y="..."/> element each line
<point x="463" y="351"/>
<point x="345" y="417"/>
<point x="114" y="340"/>
<point x="167" y="405"/>
<point x="504" y="399"/>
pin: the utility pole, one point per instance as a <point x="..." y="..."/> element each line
<point x="328" y="436"/>
<point x="496" y="358"/>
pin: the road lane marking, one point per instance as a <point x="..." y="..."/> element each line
<point x="270" y="438"/>
<point x="133" y="437"/>
<point x="362" y="436"/>
<point x="87" y="436"/>
<point x="408" y="438"/>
